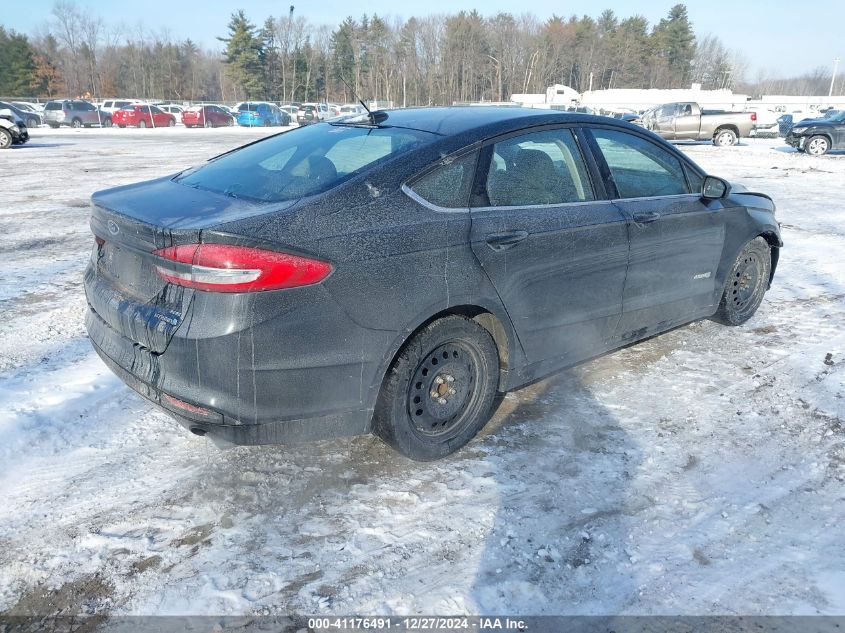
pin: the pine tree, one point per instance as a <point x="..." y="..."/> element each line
<point x="675" y="44"/>
<point x="17" y="65"/>
<point x="244" y="57"/>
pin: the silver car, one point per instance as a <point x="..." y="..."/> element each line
<point x="75" y="113"/>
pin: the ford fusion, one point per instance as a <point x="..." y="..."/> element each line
<point x="393" y="272"/>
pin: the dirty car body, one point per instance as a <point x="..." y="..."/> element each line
<point x="546" y="232"/>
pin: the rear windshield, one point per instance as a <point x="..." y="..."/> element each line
<point x="53" y="105"/>
<point x="248" y="106"/>
<point x="303" y="162"/>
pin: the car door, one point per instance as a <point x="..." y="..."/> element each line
<point x="665" y="121"/>
<point x="554" y="249"/>
<point x="676" y="236"/>
<point x="687" y="122"/>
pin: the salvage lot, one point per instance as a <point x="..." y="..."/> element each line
<point x="698" y="472"/>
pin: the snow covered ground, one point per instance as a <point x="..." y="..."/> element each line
<point x="700" y="472"/>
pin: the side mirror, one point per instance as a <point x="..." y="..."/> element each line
<point x="714" y="188"/>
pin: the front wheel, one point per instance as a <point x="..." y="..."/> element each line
<point x="440" y="390"/>
<point x="817" y="146"/>
<point x="746" y="283"/>
<point x="32" y="122"/>
<point x="5" y="139"/>
<point x="230" y="122"/>
<point x="77" y="123"/>
<point x="724" y="138"/>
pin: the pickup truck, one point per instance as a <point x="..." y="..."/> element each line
<point x="686" y="121"/>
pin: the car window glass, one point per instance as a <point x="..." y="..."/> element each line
<point x="639" y="167"/>
<point x="536" y="169"/>
<point x="696" y="182"/>
<point x="156" y="110"/>
<point x="84" y="105"/>
<point x="304" y="162"/>
<point x="53" y="105"/>
<point x="448" y="185"/>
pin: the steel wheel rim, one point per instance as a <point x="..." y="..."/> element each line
<point x="725" y="139"/>
<point x="746" y="279"/>
<point x="442" y="390"/>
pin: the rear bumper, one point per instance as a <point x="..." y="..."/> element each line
<point x="308" y="373"/>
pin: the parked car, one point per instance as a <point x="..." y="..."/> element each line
<point x="207" y="116"/>
<point x="818" y="136"/>
<point x="174" y="109"/>
<point x="310" y="114"/>
<point x="75" y="113"/>
<point x="143" y="116"/>
<point x="113" y="105"/>
<point x="261" y="114"/>
<point x="30" y="119"/>
<point x="766" y="124"/>
<point x="686" y="121"/>
<point x="320" y="110"/>
<point x="293" y="112"/>
<point x="392" y="275"/>
<point x="352" y="108"/>
<point x="32" y="106"/>
<point x="12" y="129"/>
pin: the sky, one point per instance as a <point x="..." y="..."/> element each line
<point x="768" y="35"/>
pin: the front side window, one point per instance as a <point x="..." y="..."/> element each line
<point x="539" y="168"/>
<point x="640" y="168"/>
<point x="448" y="185"/>
<point x="303" y="162"/>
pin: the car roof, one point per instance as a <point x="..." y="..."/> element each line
<point x="451" y="120"/>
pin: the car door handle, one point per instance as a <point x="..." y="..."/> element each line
<point x="502" y="241"/>
<point x="644" y="217"/>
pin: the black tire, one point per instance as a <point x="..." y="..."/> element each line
<point x="77" y="123"/>
<point x="55" y="126"/>
<point x="106" y="122"/>
<point x="817" y="146"/>
<point x="208" y="123"/>
<point x="171" y="123"/>
<point x="5" y="139"/>
<point x="440" y="390"/>
<point x="724" y="137"/>
<point x="230" y="122"/>
<point x="32" y="122"/>
<point x="746" y="284"/>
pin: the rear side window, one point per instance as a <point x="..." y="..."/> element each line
<point x="303" y="162"/>
<point x="53" y="105"/>
<point x="448" y="185"/>
<point x="539" y="168"/>
<point x="640" y="168"/>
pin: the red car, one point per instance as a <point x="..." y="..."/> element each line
<point x="143" y="116"/>
<point x="207" y="116"/>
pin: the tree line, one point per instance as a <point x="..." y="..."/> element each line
<point x="430" y="60"/>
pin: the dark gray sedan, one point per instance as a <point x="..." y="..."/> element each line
<point x="392" y="273"/>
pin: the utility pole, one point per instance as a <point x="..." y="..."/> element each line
<point x="833" y="78"/>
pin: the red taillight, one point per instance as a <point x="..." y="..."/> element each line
<point x="753" y="116"/>
<point x="225" y="268"/>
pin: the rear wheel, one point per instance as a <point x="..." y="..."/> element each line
<point x="817" y="146"/>
<point x="230" y="122"/>
<point x="106" y="122"/>
<point x="171" y="123"/>
<point x="5" y="139"/>
<point x="77" y="123"/>
<point x="746" y="283"/>
<point x="208" y="123"/>
<point x="440" y="390"/>
<point x="724" y="137"/>
<point x="32" y="122"/>
<point x="120" y="126"/>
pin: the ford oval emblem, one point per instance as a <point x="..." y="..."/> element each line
<point x="114" y="229"/>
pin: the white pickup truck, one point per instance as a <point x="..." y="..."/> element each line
<point x="686" y="121"/>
